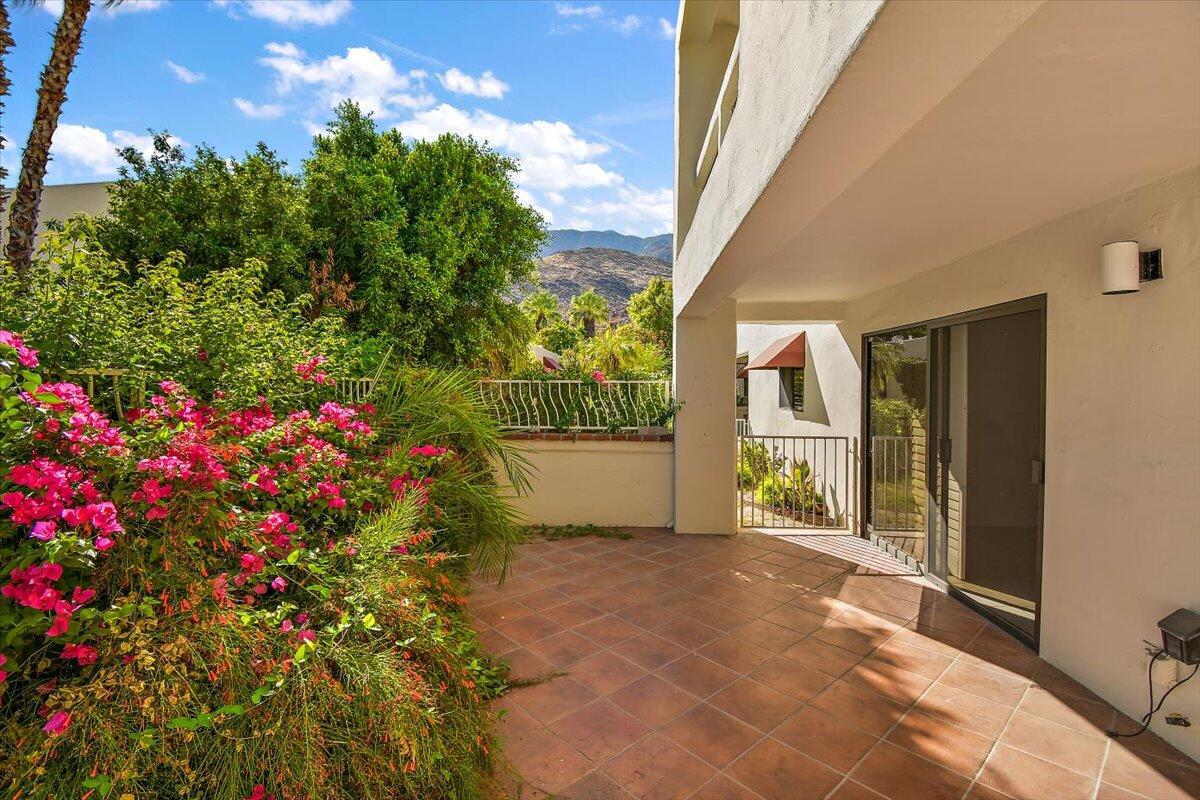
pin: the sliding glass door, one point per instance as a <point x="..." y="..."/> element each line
<point x="897" y="378"/>
<point x="952" y="477"/>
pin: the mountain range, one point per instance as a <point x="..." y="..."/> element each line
<point x="615" y="274"/>
<point x="659" y="247"/>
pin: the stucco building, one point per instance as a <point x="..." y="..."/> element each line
<point x="924" y="190"/>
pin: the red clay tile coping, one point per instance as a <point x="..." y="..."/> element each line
<point x="588" y="436"/>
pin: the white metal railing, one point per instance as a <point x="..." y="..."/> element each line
<point x="795" y="481"/>
<point x="718" y="123"/>
<point x="354" y="390"/>
<point x="897" y="483"/>
<point x="558" y="405"/>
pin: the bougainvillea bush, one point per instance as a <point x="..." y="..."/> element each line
<point x="246" y="603"/>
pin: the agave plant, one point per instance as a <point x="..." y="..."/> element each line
<point x="793" y="491"/>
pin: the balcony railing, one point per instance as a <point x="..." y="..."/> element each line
<point x="557" y="405"/>
<point x="718" y="123"/>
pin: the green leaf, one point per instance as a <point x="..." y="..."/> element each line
<point x="369" y="621"/>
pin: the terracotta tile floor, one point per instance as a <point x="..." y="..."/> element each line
<point x="783" y="668"/>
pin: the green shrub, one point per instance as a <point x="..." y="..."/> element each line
<point x="795" y="491"/>
<point x="222" y="336"/>
<point x="755" y="462"/>
<point x="891" y="417"/>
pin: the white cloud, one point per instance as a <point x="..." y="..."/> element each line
<point x="286" y="49"/>
<point x="570" y="10"/>
<point x="561" y="172"/>
<point x="258" y="111"/>
<point x="666" y="28"/>
<point x="632" y="209"/>
<point x="289" y="13"/>
<point x="85" y="151"/>
<point x="627" y="24"/>
<point x="362" y="75"/>
<point x="527" y="197"/>
<point x="486" y="85"/>
<point x="552" y="156"/>
<point x="183" y="73"/>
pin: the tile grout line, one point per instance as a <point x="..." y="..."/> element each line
<point x="895" y="724"/>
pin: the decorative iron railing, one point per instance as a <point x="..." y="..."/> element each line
<point x="897" y="483"/>
<point x="795" y="481"/>
<point x="558" y="405"/>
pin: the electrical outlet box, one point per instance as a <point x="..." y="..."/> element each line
<point x="1181" y="635"/>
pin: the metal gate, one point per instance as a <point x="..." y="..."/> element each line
<point x="794" y="481"/>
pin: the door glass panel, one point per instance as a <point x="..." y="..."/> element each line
<point x="896" y="507"/>
<point x="992" y="470"/>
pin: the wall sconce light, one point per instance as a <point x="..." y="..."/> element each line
<point x="1123" y="267"/>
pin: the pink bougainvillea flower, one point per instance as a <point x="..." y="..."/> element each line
<point x="307" y="635"/>
<point x="259" y="792"/>
<point x="170" y="387"/>
<point x="252" y="563"/>
<point x="80" y="595"/>
<point x="279" y="584"/>
<point x="59" y="721"/>
<point x="44" y="530"/>
<point x="83" y="654"/>
<point x="156" y="512"/>
<point x="26" y="357"/>
<point x="202" y="354"/>
<point x="3" y="674"/>
<point x="307" y="370"/>
<point x="259" y="588"/>
<point x="103" y="543"/>
<point x="286" y="626"/>
<point x="59" y="626"/>
<point x="598" y="377"/>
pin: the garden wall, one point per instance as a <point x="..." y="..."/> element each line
<point x="599" y="479"/>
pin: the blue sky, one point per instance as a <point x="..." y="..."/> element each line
<point x="579" y="92"/>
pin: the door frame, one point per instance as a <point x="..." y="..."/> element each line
<point x="935" y="525"/>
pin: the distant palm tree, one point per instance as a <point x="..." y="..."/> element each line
<point x="6" y="43"/>
<point x="542" y="308"/>
<point x="52" y="93"/>
<point x="589" y="309"/>
<point x="621" y="351"/>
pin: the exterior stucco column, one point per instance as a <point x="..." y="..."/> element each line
<point x="705" y="444"/>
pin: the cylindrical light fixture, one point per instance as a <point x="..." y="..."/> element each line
<point x="1120" y="267"/>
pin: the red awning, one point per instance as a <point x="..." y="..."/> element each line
<point x="782" y="353"/>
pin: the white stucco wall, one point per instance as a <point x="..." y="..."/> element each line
<point x="61" y="201"/>
<point x="790" y="53"/>
<point x="1121" y="543"/>
<point x="831" y="374"/>
<point x="611" y="483"/>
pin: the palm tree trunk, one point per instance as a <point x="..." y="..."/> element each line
<point x="6" y="43"/>
<point x="52" y="93"/>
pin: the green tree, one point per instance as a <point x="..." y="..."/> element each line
<point x="652" y="311"/>
<point x="6" y="43"/>
<point x="621" y="351"/>
<point x="52" y="93"/>
<point x="559" y="337"/>
<point x="218" y="212"/>
<point x="588" y="310"/>
<point x="542" y="309"/>
<point x="432" y="233"/>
